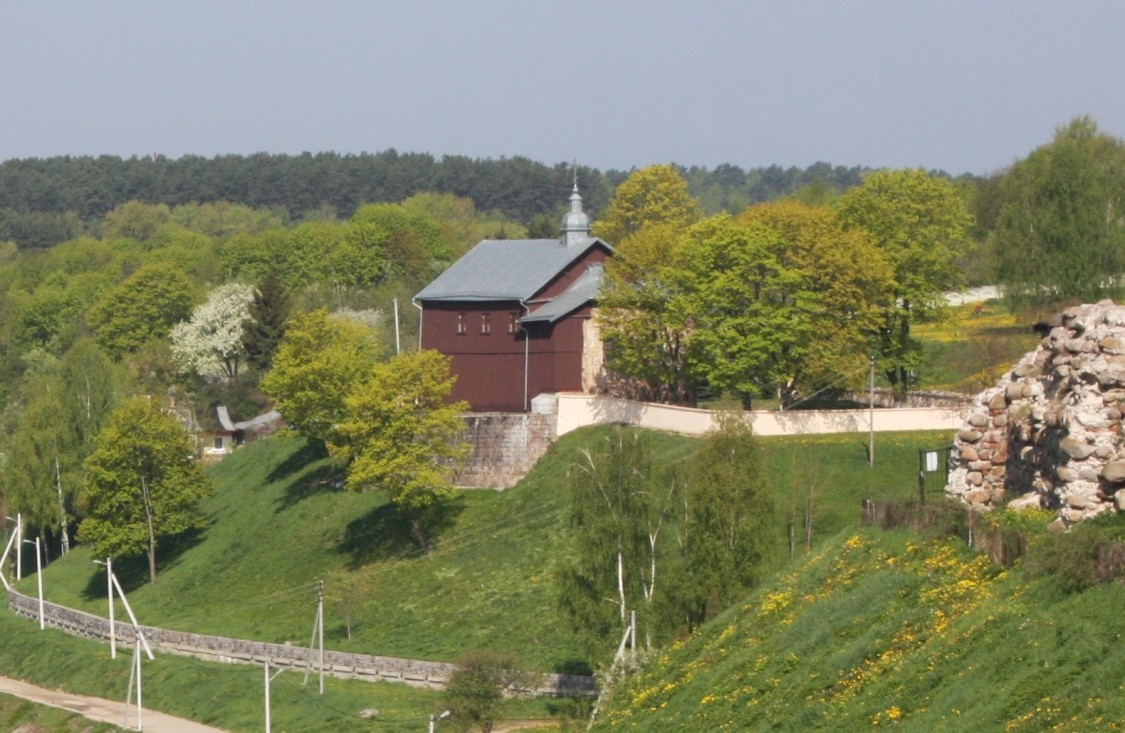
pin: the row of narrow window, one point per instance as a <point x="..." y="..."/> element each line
<point x="485" y="323"/>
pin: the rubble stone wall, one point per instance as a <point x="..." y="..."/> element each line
<point x="1050" y="432"/>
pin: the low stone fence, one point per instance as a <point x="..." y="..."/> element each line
<point x="217" y="648"/>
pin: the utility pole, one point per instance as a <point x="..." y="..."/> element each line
<point x="109" y="595"/>
<point x="871" y="419"/>
<point x="398" y="344"/>
<point x="268" y="680"/>
<point x="39" y="580"/>
<point x="320" y="624"/>
<point x="318" y="632"/>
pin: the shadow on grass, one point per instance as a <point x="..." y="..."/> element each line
<point x="302" y="482"/>
<point x="311" y="452"/>
<point x="579" y="667"/>
<point x="385" y="533"/>
<point x="327" y="479"/>
<point x="132" y="572"/>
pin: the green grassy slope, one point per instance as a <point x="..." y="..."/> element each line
<point x="227" y="696"/>
<point x="279" y="524"/>
<point x="886" y="629"/>
<point x="20" y="715"/>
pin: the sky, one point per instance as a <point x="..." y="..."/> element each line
<point x="957" y="85"/>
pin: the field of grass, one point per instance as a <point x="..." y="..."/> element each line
<point x="226" y="696"/>
<point x="886" y="629"/>
<point x="971" y="350"/>
<point x="280" y="524"/>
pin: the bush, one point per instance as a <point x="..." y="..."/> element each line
<point x="475" y="691"/>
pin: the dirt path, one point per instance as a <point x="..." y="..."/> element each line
<point x="105" y="711"/>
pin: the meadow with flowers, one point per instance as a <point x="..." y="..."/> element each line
<point x="889" y="629"/>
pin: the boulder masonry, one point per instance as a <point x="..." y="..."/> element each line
<point x="1050" y="433"/>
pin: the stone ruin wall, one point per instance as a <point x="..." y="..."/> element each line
<point x="1050" y="433"/>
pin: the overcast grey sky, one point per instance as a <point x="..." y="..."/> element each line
<point x="964" y="86"/>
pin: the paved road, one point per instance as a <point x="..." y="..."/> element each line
<point x="105" y="711"/>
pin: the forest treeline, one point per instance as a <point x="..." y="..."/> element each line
<point x="50" y="200"/>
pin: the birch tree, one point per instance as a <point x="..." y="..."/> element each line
<point x="619" y="506"/>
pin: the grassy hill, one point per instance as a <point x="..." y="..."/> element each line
<point x="886" y="629"/>
<point x="280" y="523"/>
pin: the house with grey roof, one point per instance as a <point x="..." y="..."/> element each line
<point x="515" y="316"/>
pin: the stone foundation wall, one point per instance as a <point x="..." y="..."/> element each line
<point x="221" y="649"/>
<point x="506" y="447"/>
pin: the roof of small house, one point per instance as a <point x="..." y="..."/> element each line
<point x="223" y="418"/>
<point x="582" y="291"/>
<point x="508" y="269"/>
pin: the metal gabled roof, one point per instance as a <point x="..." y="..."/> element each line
<point x="508" y="269"/>
<point x="581" y="292"/>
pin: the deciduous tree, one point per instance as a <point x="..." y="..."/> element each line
<point x="921" y="224"/>
<point x="728" y="530"/>
<point x="476" y="690"/>
<point x="210" y="343"/>
<point x="143" y="307"/>
<point x="1061" y="227"/>
<point x="654" y="195"/>
<point x="619" y="506"/>
<point x="401" y="436"/>
<point x="647" y="316"/>
<point x="318" y="365"/>
<point x="849" y="283"/>
<point x="142" y="483"/>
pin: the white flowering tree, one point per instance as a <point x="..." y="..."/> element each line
<point x="210" y="344"/>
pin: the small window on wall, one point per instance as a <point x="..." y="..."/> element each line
<point x="461" y="325"/>
<point x="485" y="323"/>
<point x="219" y="444"/>
<point x="512" y="322"/>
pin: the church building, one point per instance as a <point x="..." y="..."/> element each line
<point x="515" y="316"/>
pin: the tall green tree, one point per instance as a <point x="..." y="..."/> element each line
<point x="921" y="224"/>
<point x="647" y="316"/>
<point x="143" y="485"/>
<point x="91" y="385"/>
<point x="1060" y="232"/>
<point x="143" y="307"/>
<point x="476" y="690"/>
<point x="728" y="532"/>
<point x="401" y="435"/>
<point x="657" y="194"/>
<point x="319" y="363"/>
<point x="42" y="475"/>
<point x="848" y="284"/>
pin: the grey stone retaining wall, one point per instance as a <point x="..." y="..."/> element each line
<point x="506" y="447"/>
<point x="338" y="664"/>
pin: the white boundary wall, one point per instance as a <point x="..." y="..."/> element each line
<point x="579" y="410"/>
